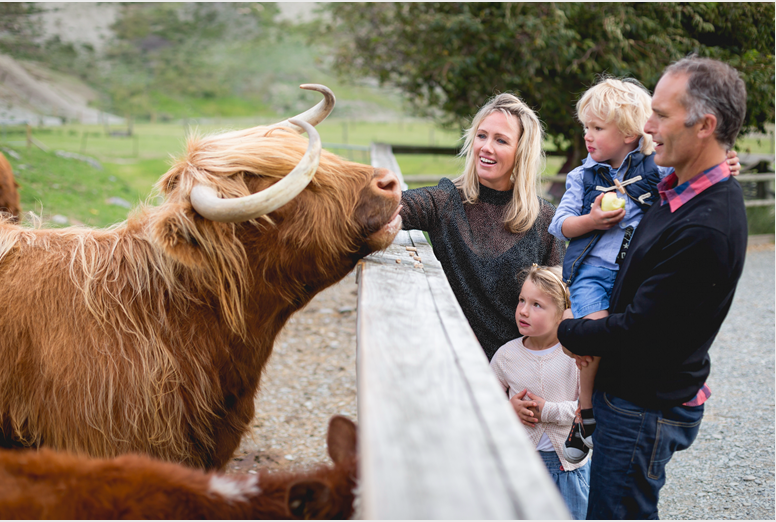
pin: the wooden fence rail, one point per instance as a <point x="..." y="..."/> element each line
<point x="437" y="437"/>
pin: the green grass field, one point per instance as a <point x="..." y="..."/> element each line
<point x="50" y="185"/>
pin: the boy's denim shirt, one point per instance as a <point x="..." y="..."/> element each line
<point x="605" y="251"/>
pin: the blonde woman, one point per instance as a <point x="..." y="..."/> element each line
<point x="490" y="223"/>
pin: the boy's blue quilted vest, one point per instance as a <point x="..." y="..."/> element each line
<point x="642" y="191"/>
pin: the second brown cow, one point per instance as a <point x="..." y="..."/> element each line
<point x="9" y="196"/>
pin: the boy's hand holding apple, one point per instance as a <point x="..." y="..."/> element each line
<point x="602" y="217"/>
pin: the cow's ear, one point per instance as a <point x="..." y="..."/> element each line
<point x="341" y="439"/>
<point x="174" y="231"/>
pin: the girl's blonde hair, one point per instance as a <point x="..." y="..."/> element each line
<point x="625" y="102"/>
<point x="549" y="280"/>
<point x="529" y="161"/>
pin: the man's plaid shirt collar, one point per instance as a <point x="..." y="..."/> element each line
<point x="678" y="196"/>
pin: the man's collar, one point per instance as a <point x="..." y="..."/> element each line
<point x="676" y="196"/>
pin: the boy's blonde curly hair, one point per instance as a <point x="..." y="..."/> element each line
<point x="625" y="102"/>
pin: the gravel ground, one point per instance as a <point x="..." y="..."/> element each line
<point x="311" y="376"/>
<point x="728" y="473"/>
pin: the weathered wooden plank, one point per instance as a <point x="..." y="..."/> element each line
<point x="760" y="239"/>
<point x="416" y="461"/>
<point x="765" y="176"/>
<point x="523" y="470"/>
<point x="748" y="158"/>
<point x="438" y="438"/>
<point x="428" y="178"/>
<point x="759" y="202"/>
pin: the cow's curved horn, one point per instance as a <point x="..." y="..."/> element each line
<point x="206" y="202"/>
<point x="315" y="115"/>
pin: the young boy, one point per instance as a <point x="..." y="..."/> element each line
<point x="620" y="159"/>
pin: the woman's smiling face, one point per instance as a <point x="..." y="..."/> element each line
<point x="494" y="149"/>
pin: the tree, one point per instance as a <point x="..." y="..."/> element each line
<point x="449" y="58"/>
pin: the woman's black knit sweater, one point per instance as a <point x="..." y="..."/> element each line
<point x="480" y="257"/>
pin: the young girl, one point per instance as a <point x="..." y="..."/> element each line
<point x="542" y="382"/>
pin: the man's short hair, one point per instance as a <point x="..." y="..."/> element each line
<point x="714" y="88"/>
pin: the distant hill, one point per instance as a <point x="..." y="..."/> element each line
<point x="250" y="77"/>
<point x="30" y="93"/>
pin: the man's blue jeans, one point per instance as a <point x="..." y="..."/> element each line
<point x="632" y="446"/>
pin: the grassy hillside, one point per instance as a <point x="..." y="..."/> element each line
<point x="50" y="185"/>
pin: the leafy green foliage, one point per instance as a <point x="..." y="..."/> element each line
<point x="449" y="58"/>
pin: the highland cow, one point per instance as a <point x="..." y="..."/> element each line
<point x="151" y="336"/>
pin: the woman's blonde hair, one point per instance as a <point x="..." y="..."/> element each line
<point x="549" y="280"/>
<point x="529" y="160"/>
<point x="625" y="102"/>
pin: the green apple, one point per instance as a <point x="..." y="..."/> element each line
<point x="611" y="202"/>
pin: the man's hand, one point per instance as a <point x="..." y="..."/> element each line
<point x="580" y="360"/>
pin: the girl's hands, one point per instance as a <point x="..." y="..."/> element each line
<point x="528" y="407"/>
<point x="604" y="220"/>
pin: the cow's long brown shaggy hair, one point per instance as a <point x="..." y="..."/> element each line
<point x="151" y="336"/>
